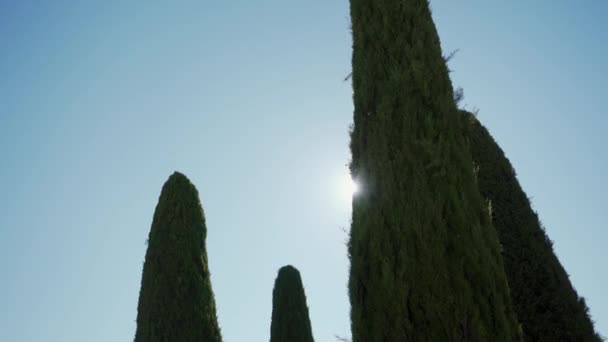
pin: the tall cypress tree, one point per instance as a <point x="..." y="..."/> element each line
<point x="290" y="321"/>
<point x="545" y="301"/>
<point x="425" y="260"/>
<point x="176" y="302"/>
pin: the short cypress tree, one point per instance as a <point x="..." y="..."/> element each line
<point x="425" y="260"/>
<point x="545" y="301"/>
<point x="290" y="321"/>
<point x="176" y="302"/>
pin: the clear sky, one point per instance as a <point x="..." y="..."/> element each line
<point x="101" y="101"/>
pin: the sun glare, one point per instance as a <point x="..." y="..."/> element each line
<point x="350" y="186"/>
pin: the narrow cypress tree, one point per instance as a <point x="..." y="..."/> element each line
<point x="425" y="260"/>
<point x="176" y="302"/>
<point x="545" y="301"/>
<point x="290" y="321"/>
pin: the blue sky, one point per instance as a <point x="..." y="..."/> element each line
<point x="101" y="101"/>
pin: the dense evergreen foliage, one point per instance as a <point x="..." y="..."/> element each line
<point x="290" y="320"/>
<point x="546" y="304"/>
<point x="176" y="302"/>
<point x="425" y="260"/>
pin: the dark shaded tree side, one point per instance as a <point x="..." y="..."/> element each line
<point x="176" y="302"/>
<point x="290" y="320"/>
<point x="545" y="301"/>
<point x="425" y="259"/>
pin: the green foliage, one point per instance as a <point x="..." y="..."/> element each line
<point x="546" y="304"/>
<point x="290" y="321"/>
<point x="176" y="302"/>
<point x="425" y="259"/>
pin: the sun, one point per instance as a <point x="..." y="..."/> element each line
<point x="350" y="187"/>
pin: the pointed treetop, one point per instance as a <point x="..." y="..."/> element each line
<point x="176" y="301"/>
<point x="290" y="320"/>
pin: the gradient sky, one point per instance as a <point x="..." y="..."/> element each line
<point x="101" y="101"/>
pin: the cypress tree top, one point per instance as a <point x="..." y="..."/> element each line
<point x="545" y="301"/>
<point x="425" y="260"/>
<point x="290" y="320"/>
<point x="176" y="302"/>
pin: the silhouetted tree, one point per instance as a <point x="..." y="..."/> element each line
<point x="290" y="320"/>
<point x="425" y="260"/>
<point x="176" y="302"/>
<point x="545" y="301"/>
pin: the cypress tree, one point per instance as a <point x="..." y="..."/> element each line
<point x="425" y="259"/>
<point x="176" y="302"/>
<point x="290" y="321"/>
<point x="544" y="299"/>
